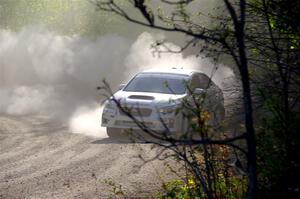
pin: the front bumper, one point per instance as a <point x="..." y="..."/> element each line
<point x="155" y="121"/>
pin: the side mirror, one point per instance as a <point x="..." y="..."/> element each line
<point x="121" y="86"/>
<point x="199" y="91"/>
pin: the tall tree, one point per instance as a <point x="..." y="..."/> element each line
<point x="228" y="36"/>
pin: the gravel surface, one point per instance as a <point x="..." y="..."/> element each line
<point x="40" y="158"/>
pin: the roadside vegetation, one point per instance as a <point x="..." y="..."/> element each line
<point x="261" y="159"/>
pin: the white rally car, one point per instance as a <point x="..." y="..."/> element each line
<point x="154" y="96"/>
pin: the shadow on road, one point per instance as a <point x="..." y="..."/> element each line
<point x="121" y="140"/>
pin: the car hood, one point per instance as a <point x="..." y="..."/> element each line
<point x="146" y="98"/>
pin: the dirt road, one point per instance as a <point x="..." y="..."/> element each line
<point x="40" y="158"/>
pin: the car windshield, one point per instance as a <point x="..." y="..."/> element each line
<point x="158" y="83"/>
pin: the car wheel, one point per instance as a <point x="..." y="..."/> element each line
<point x="114" y="132"/>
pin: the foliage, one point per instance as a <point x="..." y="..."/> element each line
<point x="64" y="16"/>
<point x="233" y="187"/>
<point x="278" y="174"/>
<point x="116" y="189"/>
<point x="275" y="57"/>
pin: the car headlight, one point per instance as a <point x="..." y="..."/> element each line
<point x="110" y="104"/>
<point x="167" y="109"/>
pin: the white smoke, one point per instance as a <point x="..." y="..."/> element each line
<point x="42" y="72"/>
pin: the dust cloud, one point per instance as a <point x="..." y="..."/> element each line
<point x="142" y="57"/>
<point x="43" y="72"/>
<point x="86" y="120"/>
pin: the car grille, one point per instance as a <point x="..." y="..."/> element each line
<point x="138" y="112"/>
<point x="132" y="123"/>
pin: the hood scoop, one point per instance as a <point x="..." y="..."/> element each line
<point x="141" y="97"/>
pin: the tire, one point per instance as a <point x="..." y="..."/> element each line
<point x="114" y="132"/>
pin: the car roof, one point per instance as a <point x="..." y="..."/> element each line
<point x="180" y="71"/>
